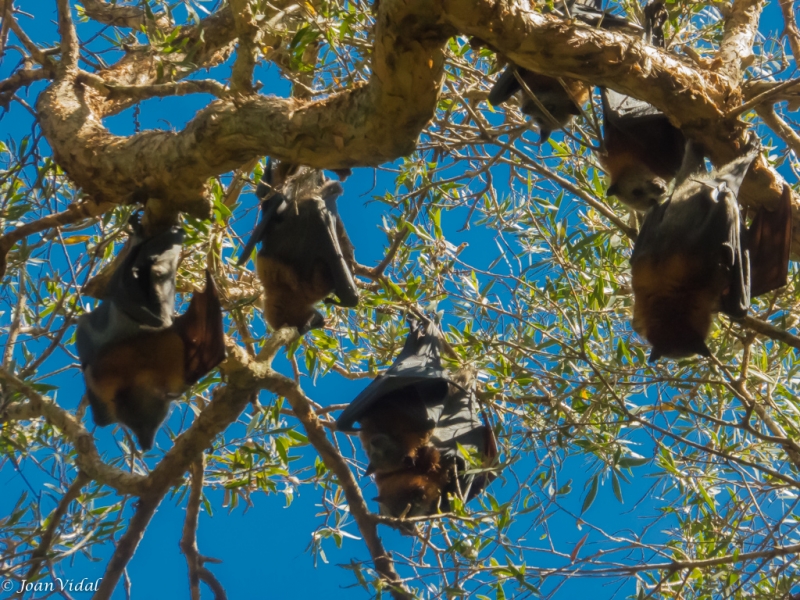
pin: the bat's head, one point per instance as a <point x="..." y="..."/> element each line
<point x="415" y="491"/>
<point x="638" y="187"/>
<point x="143" y="410"/>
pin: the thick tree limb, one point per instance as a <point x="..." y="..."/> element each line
<point x="119" y="15"/>
<point x="70" y="46"/>
<point x="20" y="79"/>
<point x="380" y="121"/>
<point x="736" y="50"/>
<point x="790" y="27"/>
<point x="246" y="31"/>
<point x="367" y="125"/>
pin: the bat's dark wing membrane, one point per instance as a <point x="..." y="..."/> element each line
<point x="599" y="18"/>
<point x="269" y="208"/>
<point x="140" y="295"/>
<point x="636" y="126"/>
<point x="462" y="424"/>
<point x="505" y="86"/>
<point x="303" y="234"/>
<point x="622" y="110"/>
<point x="344" y="284"/>
<point x="769" y="242"/>
<point x="647" y="241"/>
<point x="144" y="285"/>
<point x="201" y="329"/>
<point x="728" y="181"/>
<point x="418" y="366"/>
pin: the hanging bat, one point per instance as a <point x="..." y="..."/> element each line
<point x="552" y="103"/>
<point x="412" y="417"/>
<point x="423" y="486"/>
<point x="301" y="260"/>
<point x="693" y="257"/>
<point x="135" y="356"/>
<point x="644" y="151"/>
<point x="400" y="408"/>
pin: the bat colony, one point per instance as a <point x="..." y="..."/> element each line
<point x="423" y="431"/>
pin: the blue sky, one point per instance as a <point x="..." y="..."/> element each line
<point x="264" y="550"/>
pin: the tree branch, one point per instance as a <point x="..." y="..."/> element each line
<point x="121" y="16"/>
<point x="88" y="459"/>
<point x="34" y="50"/>
<point x="246" y="30"/>
<point x="194" y="560"/>
<point x="73" y="214"/>
<point x="779" y="126"/>
<point x="70" y="47"/>
<point x="20" y="79"/>
<point x="335" y="463"/>
<point x="769" y="330"/>
<point x="158" y="90"/>
<point x="736" y="49"/>
<point x="790" y="27"/>
<point x="145" y="509"/>
<point x="366" y="125"/>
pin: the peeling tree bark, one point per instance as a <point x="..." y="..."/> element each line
<point x="380" y="121"/>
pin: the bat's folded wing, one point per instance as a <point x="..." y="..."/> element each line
<point x="769" y="242"/>
<point x="104" y="326"/>
<point x="505" y="86"/>
<point x="202" y="332"/>
<point x="144" y="285"/>
<point x="418" y="365"/>
<point x="462" y="424"/>
<point x="626" y="111"/>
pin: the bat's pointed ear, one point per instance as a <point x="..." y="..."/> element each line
<point x="654" y="356"/>
<point x="612" y="190"/>
<point x="370" y="470"/>
<point x="544" y="135"/>
<point x="377" y="499"/>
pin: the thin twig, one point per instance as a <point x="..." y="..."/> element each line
<point x="194" y="560"/>
<point x="769" y="331"/>
<point x="38" y="555"/>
